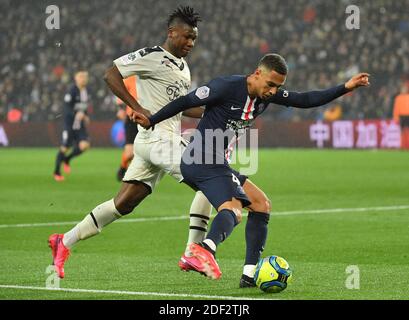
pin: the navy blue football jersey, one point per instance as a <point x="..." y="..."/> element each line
<point x="229" y="109"/>
<point x="74" y="100"/>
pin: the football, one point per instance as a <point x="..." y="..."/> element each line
<point x="273" y="273"/>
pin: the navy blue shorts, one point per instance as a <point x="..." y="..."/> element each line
<point x="72" y="137"/>
<point x="219" y="183"/>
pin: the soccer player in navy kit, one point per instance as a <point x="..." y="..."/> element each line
<point x="75" y="116"/>
<point x="232" y="103"/>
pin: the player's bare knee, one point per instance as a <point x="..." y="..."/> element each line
<point x="263" y="204"/>
<point x="267" y="205"/>
<point x="63" y="149"/>
<point x="84" y="145"/>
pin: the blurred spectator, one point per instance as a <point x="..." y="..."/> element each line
<point x="401" y="115"/>
<point x="333" y="113"/>
<point x="35" y="63"/>
<point x="14" y="115"/>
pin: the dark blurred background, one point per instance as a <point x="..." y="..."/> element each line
<point x="35" y="71"/>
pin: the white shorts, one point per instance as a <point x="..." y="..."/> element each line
<point x="154" y="157"/>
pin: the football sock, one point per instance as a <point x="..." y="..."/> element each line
<point x="60" y="158"/>
<point x="256" y="235"/>
<point x="249" y="270"/>
<point x="200" y="211"/>
<point x="92" y="224"/>
<point x="74" y="153"/>
<point x="222" y="226"/>
<point x="209" y="245"/>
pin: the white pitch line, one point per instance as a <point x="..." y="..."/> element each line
<point x="132" y="293"/>
<point x="170" y="218"/>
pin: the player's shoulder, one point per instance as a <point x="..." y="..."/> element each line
<point x="227" y="82"/>
<point x="142" y="54"/>
<point x="71" y="92"/>
<point x="150" y="50"/>
<point x="145" y="53"/>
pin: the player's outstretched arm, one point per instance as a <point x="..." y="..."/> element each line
<point x="318" y="98"/>
<point x="114" y="80"/>
<point x="196" y="112"/>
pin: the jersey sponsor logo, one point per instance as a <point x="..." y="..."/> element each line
<point x="238" y="125"/>
<point x="202" y="92"/>
<point x="174" y="90"/>
<point x="235" y="108"/>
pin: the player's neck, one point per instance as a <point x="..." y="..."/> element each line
<point x="250" y="87"/>
<point x="169" y="49"/>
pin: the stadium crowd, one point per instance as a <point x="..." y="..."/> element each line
<point x="37" y="64"/>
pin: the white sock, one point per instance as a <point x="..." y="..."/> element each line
<point x="200" y="212"/>
<point x="211" y="244"/>
<point x="92" y="224"/>
<point x="71" y="237"/>
<point x="249" y="270"/>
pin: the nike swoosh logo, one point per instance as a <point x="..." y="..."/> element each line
<point x="233" y="108"/>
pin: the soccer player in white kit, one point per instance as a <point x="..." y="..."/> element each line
<point x="162" y="76"/>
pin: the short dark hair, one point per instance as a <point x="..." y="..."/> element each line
<point x="186" y="15"/>
<point x="273" y="61"/>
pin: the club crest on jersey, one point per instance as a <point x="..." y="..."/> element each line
<point x="202" y="92"/>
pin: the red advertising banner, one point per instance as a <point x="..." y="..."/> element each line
<point x="345" y="134"/>
<point x="360" y="134"/>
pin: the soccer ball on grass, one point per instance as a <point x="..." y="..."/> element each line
<point x="273" y="273"/>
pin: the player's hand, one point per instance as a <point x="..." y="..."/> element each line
<point x="145" y="112"/>
<point x="140" y="119"/>
<point x="359" y="80"/>
<point x="79" y="117"/>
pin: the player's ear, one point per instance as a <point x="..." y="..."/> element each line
<point x="257" y="72"/>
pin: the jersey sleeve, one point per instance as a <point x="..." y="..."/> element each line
<point x="309" y="99"/>
<point x="134" y="63"/>
<point x="69" y="100"/>
<point x="207" y="95"/>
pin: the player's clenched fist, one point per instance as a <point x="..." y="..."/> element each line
<point x="359" y="80"/>
<point x="140" y="119"/>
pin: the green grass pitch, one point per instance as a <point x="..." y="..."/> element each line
<point x="138" y="259"/>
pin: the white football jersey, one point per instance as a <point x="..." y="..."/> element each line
<point x="161" y="78"/>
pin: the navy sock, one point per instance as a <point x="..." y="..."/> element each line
<point x="60" y="158"/>
<point x="75" y="152"/>
<point x="256" y="235"/>
<point x="222" y="226"/>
